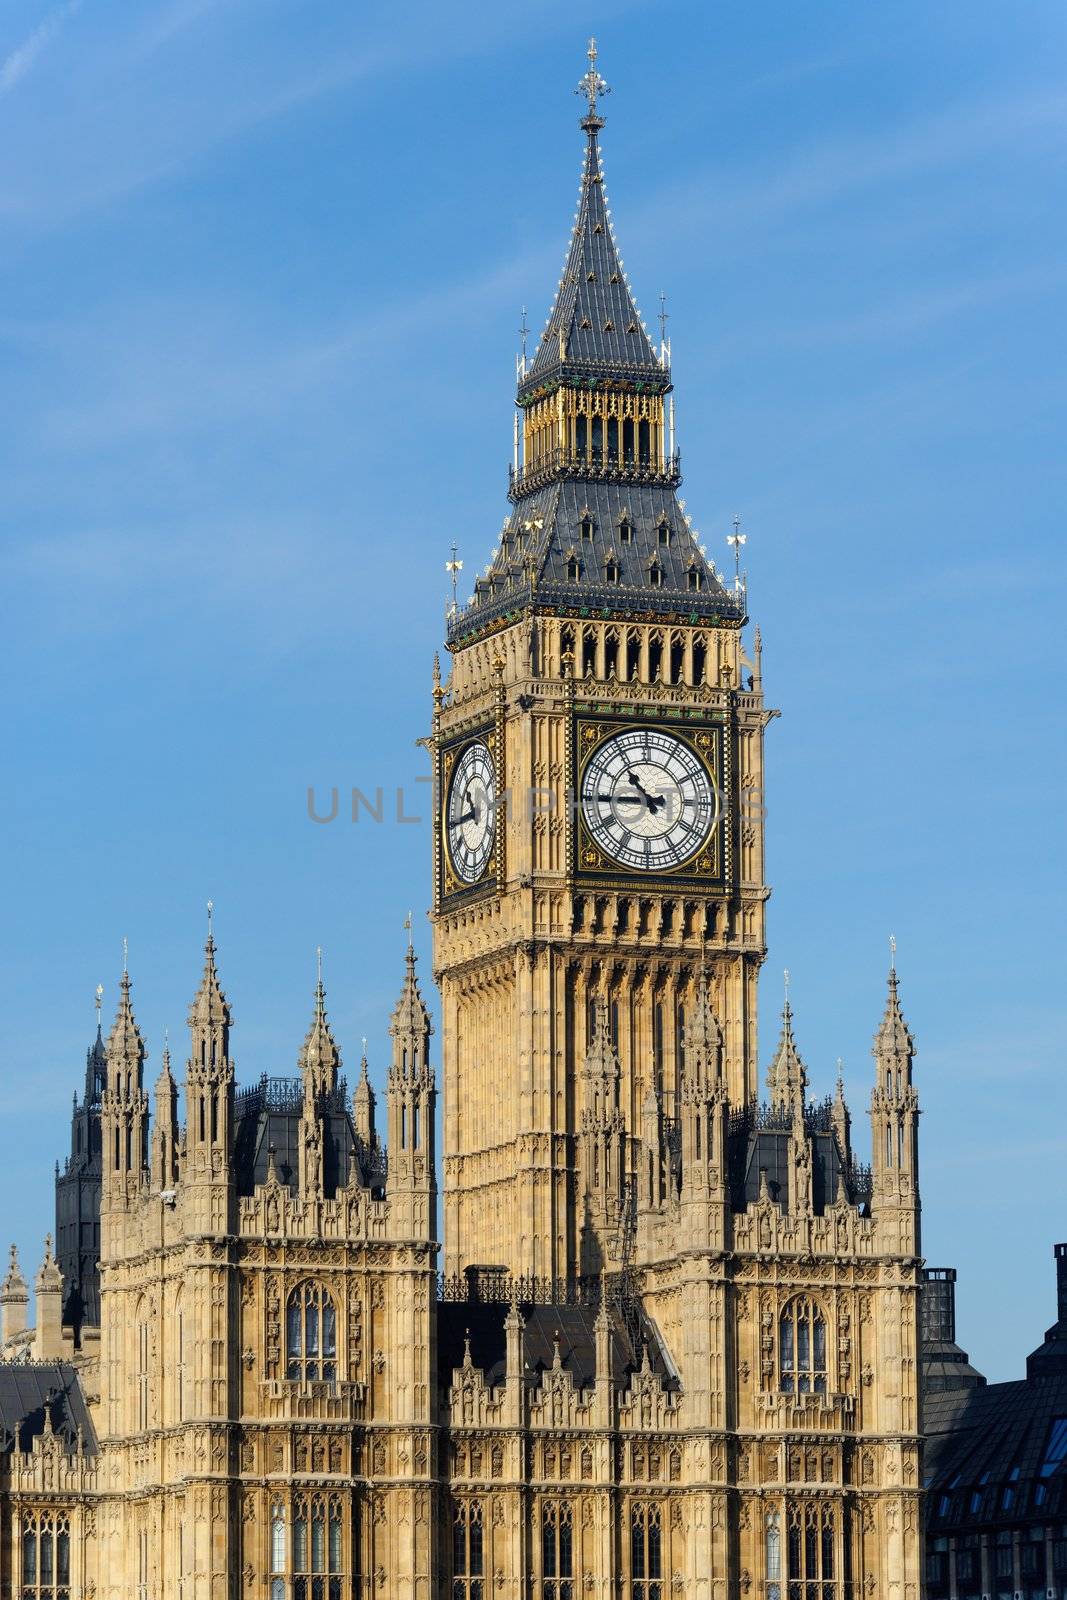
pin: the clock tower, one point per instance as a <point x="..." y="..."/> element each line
<point x="598" y="750"/>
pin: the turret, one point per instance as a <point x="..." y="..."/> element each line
<point x="209" y="1093"/>
<point x="411" y="1098"/>
<point x="786" y="1078"/>
<point x="895" y="1129"/>
<point x="165" y="1130"/>
<point x="48" y="1334"/>
<point x="702" y="1126"/>
<point x="603" y="1148"/>
<point x="363" y="1104"/>
<point x="320" y="1062"/>
<point x="124" y="1108"/>
<point x="14" y="1300"/>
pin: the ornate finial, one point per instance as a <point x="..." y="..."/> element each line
<point x="454" y="568"/>
<point x="210" y="918"/>
<point x="664" y="317"/>
<point x="893" y="954"/>
<point x="318" y="964"/>
<point x="593" y="87"/>
<point x="125" y="957"/>
<point x="785" y="979"/>
<point x="524" y="331"/>
<point x="409" y="924"/>
<point x="840" y="1079"/>
<point x="99" y="997"/>
<point x="737" y="539"/>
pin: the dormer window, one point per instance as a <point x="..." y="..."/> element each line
<point x="611" y="571"/>
<point x="696" y="578"/>
<point x="609" y="326"/>
<point x="614" y="277"/>
<point x="664" y="531"/>
<point x="655" y="575"/>
<point x="590" y="277"/>
<point x="574" y="566"/>
<point x="626" y="532"/>
<point x="585" y="323"/>
<point x="631" y="327"/>
<point x="587" y="527"/>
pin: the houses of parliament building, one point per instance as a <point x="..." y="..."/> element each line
<point x="669" y="1345"/>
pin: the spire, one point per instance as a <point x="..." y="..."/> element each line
<point x="165" y="1127"/>
<point x="210" y="1008"/>
<point x="410" y="1027"/>
<point x="893" y="1041"/>
<point x="320" y="1059"/>
<point x="594" y="323"/>
<point x="96" y="1059"/>
<point x="787" y="1079"/>
<point x="363" y="1102"/>
<point x="126" y="1053"/>
<point x="703" y="1041"/>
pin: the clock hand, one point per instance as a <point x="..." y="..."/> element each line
<point x="623" y="799"/>
<point x="468" y="816"/>
<point x="653" y="801"/>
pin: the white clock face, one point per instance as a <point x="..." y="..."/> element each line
<point x="648" y="800"/>
<point x="470" y="818"/>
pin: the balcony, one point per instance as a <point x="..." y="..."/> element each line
<point x="602" y="467"/>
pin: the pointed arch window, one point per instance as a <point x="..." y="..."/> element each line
<point x="646" y="1552"/>
<point x="557" y="1550"/>
<point x="310" y="1335"/>
<point x="468" y="1552"/>
<point x="45" y="1556"/>
<point x="772" y="1556"/>
<point x="802" y="1348"/>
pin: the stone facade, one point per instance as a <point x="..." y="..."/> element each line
<point x="674" y="1346"/>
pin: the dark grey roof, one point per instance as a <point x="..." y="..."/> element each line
<point x="760" y="1143"/>
<point x="575" y="1326"/>
<point x="989" y="1454"/>
<point x="594" y="309"/>
<point x="269" y="1115"/>
<point x="530" y="566"/>
<point x="27" y="1390"/>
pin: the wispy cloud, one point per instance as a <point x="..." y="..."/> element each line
<point x="18" y="62"/>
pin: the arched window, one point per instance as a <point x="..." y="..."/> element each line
<point x="646" y="1552"/>
<point x="557" y="1550"/>
<point x="810" y="1550"/>
<point x="310" y="1334"/>
<point x="318" y="1548"/>
<point x="143" y="1349"/>
<point x="802" y="1348"/>
<point x="772" y="1560"/>
<point x="179" y="1363"/>
<point x="279" y="1551"/>
<point x="45" y="1557"/>
<point x="468" y="1558"/>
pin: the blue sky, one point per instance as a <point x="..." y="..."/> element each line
<point x="263" y="263"/>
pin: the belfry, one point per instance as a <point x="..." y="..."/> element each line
<point x="672" y="1344"/>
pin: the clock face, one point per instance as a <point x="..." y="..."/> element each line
<point x="470" y="815"/>
<point x="648" y="800"/>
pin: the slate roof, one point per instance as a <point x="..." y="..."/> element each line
<point x="988" y="1455"/>
<point x="27" y="1389"/>
<point x="594" y="308"/>
<point x="269" y="1114"/>
<point x="575" y="1325"/>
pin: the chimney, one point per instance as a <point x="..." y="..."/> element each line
<point x="14" y="1300"/>
<point x="937" y="1306"/>
<point x="48" y="1338"/>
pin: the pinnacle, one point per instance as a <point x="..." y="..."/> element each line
<point x="209" y="1007"/>
<point x="14" y="1282"/>
<point x="787" y="1078"/>
<point x="320" y="1056"/>
<point x="124" y="1041"/>
<point x="894" y="1036"/>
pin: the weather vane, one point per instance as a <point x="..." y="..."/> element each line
<point x="664" y="317"/>
<point x="125" y="957"/>
<point x="408" y="923"/>
<point x="892" y="952"/>
<point x="592" y="85"/>
<point x="524" y="329"/>
<point x="210" y="918"/>
<point x="785" y="975"/>
<point x="737" y="539"/>
<point x="99" y="997"/>
<point x="454" y="567"/>
<point x="318" y="962"/>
